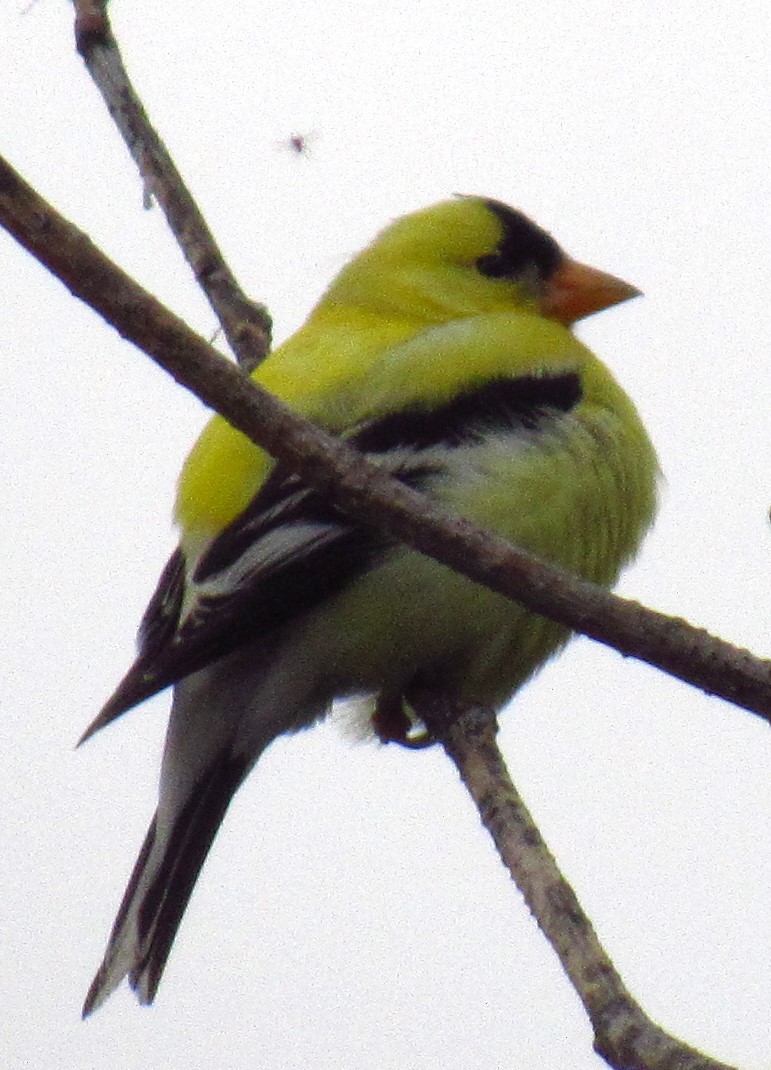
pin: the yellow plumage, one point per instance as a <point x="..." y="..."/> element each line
<point x="443" y="351"/>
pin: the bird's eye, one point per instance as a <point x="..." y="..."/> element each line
<point x="523" y="247"/>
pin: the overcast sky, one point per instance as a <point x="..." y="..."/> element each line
<point x="352" y="913"/>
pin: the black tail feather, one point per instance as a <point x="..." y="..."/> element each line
<point x="150" y="913"/>
<point x="165" y="901"/>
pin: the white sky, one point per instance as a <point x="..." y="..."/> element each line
<point x="352" y="913"/>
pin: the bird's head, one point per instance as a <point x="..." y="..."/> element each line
<point x="473" y="255"/>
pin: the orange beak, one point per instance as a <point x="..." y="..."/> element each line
<point x="577" y="290"/>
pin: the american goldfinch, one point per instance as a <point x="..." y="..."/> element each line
<point x="444" y="352"/>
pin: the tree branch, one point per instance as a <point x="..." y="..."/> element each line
<point x="246" y="323"/>
<point x="671" y="644"/>
<point x="623" y="1034"/>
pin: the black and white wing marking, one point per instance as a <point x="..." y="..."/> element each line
<point x="287" y="552"/>
<point x="291" y="549"/>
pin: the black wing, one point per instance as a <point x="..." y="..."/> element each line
<point x="291" y="549"/>
<point x="287" y="552"/>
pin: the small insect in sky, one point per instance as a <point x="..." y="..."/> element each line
<point x="298" y="143"/>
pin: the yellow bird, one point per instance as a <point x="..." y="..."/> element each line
<point x="444" y="352"/>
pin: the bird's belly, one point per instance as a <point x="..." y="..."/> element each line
<point x="556" y="495"/>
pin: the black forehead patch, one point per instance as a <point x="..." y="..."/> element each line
<point x="523" y="245"/>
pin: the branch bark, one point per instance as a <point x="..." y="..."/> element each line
<point x="246" y="323"/>
<point x="623" y="1034"/>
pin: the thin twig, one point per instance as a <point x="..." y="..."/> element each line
<point x="361" y="489"/>
<point x="246" y="323"/>
<point x="624" y="1035"/>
